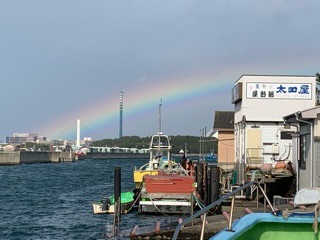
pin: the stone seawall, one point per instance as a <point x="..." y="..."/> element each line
<point x="34" y="157"/>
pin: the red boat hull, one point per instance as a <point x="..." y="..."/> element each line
<point x="169" y="184"/>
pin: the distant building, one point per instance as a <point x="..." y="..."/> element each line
<point x="16" y="140"/>
<point x="30" y="137"/>
<point x="21" y="138"/>
<point x="224" y="133"/>
<point x="87" y="141"/>
<point x="42" y="139"/>
<point x="59" y="142"/>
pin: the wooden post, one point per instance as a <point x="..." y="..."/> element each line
<point x="231" y="214"/>
<point x="117" y="201"/>
<point x="203" y="225"/>
<point x="191" y="208"/>
<point x="215" y="186"/>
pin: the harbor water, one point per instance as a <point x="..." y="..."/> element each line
<point x="54" y="201"/>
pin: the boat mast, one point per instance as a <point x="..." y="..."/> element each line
<point x="159" y="133"/>
<point x="160" y="105"/>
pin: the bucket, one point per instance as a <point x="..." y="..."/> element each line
<point x="266" y="167"/>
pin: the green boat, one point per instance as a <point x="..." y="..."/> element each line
<point x="106" y="205"/>
<point x="266" y="226"/>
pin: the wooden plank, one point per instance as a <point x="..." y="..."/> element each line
<point x="134" y="231"/>
<point x="247" y="210"/>
<point x="226" y="215"/>
<point x="158" y="227"/>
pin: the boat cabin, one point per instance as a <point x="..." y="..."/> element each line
<point x="160" y="151"/>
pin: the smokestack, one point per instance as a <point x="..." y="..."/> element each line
<point x="121" y="112"/>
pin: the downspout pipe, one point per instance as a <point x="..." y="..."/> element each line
<point x="297" y="156"/>
<point x="311" y="147"/>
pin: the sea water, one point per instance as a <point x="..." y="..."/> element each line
<point x="54" y="201"/>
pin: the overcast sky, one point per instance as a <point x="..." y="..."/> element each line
<point x="62" y="60"/>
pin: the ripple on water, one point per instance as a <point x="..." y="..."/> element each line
<point x="53" y="201"/>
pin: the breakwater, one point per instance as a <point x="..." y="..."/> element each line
<point x="98" y="156"/>
<point x="17" y="158"/>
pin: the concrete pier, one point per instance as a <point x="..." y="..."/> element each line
<point x="17" y="158"/>
<point x="10" y="158"/>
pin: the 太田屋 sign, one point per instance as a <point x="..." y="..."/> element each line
<point x="279" y="90"/>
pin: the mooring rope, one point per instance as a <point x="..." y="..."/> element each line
<point x="315" y="221"/>
<point x="286" y="214"/>
<point x="198" y="202"/>
<point x="156" y="206"/>
<point x="160" y="211"/>
<point x="126" y="211"/>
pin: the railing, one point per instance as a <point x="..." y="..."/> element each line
<point x="218" y="202"/>
<point x="255" y="157"/>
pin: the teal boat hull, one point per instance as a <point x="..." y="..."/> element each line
<point x="266" y="226"/>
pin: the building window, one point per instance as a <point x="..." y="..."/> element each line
<point x="285" y="135"/>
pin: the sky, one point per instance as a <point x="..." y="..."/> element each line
<point x="63" y="60"/>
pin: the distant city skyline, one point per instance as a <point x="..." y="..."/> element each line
<point x="63" y="61"/>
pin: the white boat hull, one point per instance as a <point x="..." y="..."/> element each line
<point x="98" y="209"/>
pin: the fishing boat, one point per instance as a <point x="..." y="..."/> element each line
<point x="163" y="185"/>
<point x="211" y="157"/>
<point x="159" y="159"/>
<point x="107" y="204"/>
<point x="167" y="194"/>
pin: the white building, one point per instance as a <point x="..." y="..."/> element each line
<point x="306" y="146"/>
<point x="261" y="102"/>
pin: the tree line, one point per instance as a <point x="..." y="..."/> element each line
<point x="191" y="143"/>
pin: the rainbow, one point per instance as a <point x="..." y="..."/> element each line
<point x="143" y="98"/>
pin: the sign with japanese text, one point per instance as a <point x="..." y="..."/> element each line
<point x="279" y="90"/>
